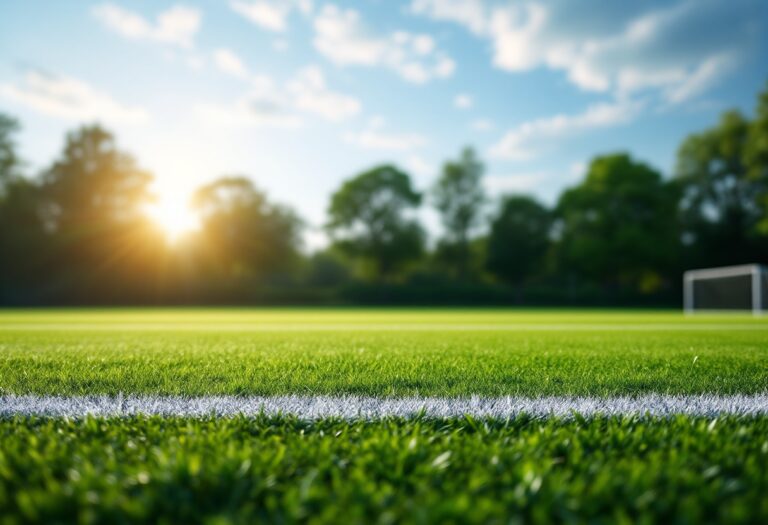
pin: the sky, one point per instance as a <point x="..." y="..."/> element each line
<point x="301" y="94"/>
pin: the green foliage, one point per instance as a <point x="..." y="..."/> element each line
<point x="721" y="172"/>
<point x="243" y="233"/>
<point x="282" y="470"/>
<point x="459" y="197"/>
<point x="519" y="238"/>
<point x="326" y="268"/>
<point x="93" y="184"/>
<point x="81" y="232"/>
<point x="22" y="236"/>
<point x="367" y="219"/>
<point x="756" y="158"/>
<point x="23" y="239"/>
<point x="93" y="201"/>
<point x="618" y="225"/>
<point x="379" y="352"/>
<point x="9" y="159"/>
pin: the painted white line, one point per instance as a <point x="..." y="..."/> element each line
<point x="353" y="407"/>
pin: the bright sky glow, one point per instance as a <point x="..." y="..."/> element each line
<point x="173" y="213"/>
<point x="300" y="94"/>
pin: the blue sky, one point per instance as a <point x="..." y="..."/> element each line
<point x="301" y="94"/>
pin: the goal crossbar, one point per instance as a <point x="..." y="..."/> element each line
<point x="754" y="271"/>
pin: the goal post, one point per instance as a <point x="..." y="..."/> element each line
<point x="729" y="288"/>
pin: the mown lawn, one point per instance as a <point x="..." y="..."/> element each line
<point x="380" y="352"/>
<point x="462" y="470"/>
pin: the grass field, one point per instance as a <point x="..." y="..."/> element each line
<point x="681" y="469"/>
<point x="381" y="353"/>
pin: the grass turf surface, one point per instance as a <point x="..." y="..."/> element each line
<point x="379" y="352"/>
<point x="604" y="470"/>
<point x="280" y="469"/>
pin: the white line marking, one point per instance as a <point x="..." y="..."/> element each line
<point x="353" y="407"/>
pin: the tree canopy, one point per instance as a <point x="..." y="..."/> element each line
<point x="458" y="196"/>
<point x="721" y="176"/>
<point x="94" y="184"/>
<point x="368" y="219"/>
<point x="22" y="237"/>
<point x="244" y="233"/>
<point x="756" y="160"/>
<point x="618" y="226"/>
<point x="9" y="160"/>
<point x="519" y="238"/>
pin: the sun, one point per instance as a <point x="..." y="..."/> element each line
<point x="174" y="215"/>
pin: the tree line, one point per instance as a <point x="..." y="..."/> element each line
<point x="78" y="231"/>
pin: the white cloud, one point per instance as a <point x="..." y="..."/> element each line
<point x="227" y="61"/>
<point x="70" y="98"/>
<point x="176" y="26"/>
<point x="419" y="167"/>
<point x="482" y="124"/>
<point x="267" y="103"/>
<point x="270" y="14"/>
<point x="262" y="106"/>
<point x="527" y="139"/>
<point x="678" y="48"/>
<point x="374" y="136"/>
<point x="514" y="32"/>
<point x="306" y="92"/>
<point x="341" y="36"/>
<point x="704" y="76"/>
<point x="471" y="13"/>
<point x="463" y="101"/>
<point x="311" y="95"/>
<point x="513" y="183"/>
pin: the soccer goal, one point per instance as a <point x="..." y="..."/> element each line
<point x="742" y="287"/>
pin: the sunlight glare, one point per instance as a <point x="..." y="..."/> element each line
<point x="172" y="212"/>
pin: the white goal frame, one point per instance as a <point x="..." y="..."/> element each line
<point x="755" y="271"/>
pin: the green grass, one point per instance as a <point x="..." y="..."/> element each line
<point x="282" y="470"/>
<point x="380" y="352"/>
<point x="275" y="470"/>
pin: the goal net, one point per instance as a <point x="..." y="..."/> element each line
<point x="728" y="288"/>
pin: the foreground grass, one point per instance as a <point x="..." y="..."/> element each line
<point x="681" y="470"/>
<point x="379" y="352"/>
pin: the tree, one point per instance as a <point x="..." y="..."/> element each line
<point x="327" y="269"/>
<point x="95" y="197"/>
<point x="519" y="238"/>
<point x="9" y="159"/>
<point x="459" y="197"/>
<point x="22" y="238"/>
<point x="246" y="235"/>
<point x="367" y="219"/>
<point x="94" y="185"/>
<point x="720" y="205"/>
<point x="756" y="158"/>
<point x="618" y="226"/>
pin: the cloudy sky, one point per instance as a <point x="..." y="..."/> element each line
<point x="300" y="94"/>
